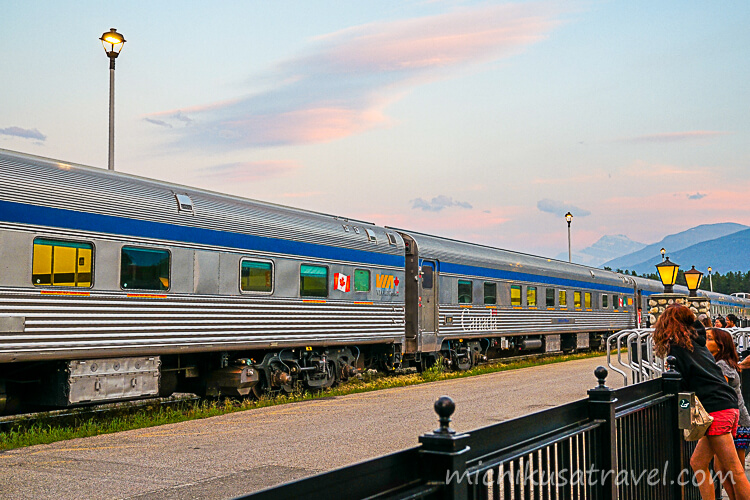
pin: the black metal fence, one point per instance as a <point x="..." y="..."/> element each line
<point x="622" y="443"/>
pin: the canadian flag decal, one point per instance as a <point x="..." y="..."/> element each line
<point x="341" y="282"/>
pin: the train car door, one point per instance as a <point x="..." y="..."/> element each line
<point x="429" y="295"/>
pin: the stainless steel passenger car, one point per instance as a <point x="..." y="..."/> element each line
<point x="151" y="285"/>
<point x="118" y="287"/>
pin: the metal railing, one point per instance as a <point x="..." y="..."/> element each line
<point x="622" y="443"/>
<point x="631" y="353"/>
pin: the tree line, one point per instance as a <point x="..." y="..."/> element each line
<point x="731" y="282"/>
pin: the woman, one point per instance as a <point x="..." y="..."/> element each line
<point x="676" y="333"/>
<point x="720" y="344"/>
<point x="720" y="322"/>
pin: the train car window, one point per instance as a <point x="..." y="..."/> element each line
<point x="313" y="281"/>
<point x="256" y="276"/>
<point x="144" y="269"/>
<point x="605" y="301"/>
<point x="615" y="301"/>
<point x="531" y="296"/>
<point x="465" y="292"/>
<point x="361" y="280"/>
<point x="576" y="299"/>
<point x="587" y="300"/>
<point x="563" y="298"/>
<point x="515" y="295"/>
<point x="61" y="263"/>
<point x="630" y="301"/>
<point x="550" y="297"/>
<point x="490" y="293"/>
<point x="427" y="275"/>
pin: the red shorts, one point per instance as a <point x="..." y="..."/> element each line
<point x="725" y="422"/>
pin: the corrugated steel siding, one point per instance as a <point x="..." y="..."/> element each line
<point x="103" y="324"/>
<point x="37" y="181"/>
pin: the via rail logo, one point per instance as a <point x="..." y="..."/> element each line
<point x="386" y="284"/>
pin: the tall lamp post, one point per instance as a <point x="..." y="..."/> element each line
<point x="710" y="280"/>
<point x="667" y="274"/>
<point x="663" y="251"/>
<point x="568" y="218"/>
<point x="693" y="279"/>
<point x="112" y="41"/>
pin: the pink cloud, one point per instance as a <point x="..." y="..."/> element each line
<point x="241" y="172"/>
<point x="343" y="84"/>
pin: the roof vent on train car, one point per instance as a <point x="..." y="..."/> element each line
<point x="346" y="228"/>
<point x="592" y="274"/>
<point x="391" y="238"/>
<point x="371" y="236"/>
<point x="356" y="229"/>
<point x="184" y="203"/>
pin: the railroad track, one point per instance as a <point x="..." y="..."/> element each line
<point x="75" y="416"/>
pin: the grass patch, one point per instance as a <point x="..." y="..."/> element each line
<point x="41" y="432"/>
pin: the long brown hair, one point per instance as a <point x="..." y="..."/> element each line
<point x="674" y="327"/>
<point x="727" y="350"/>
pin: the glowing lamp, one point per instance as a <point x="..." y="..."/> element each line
<point x="667" y="274"/>
<point x="693" y="279"/>
<point x="568" y="217"/>
<point x="112" y="42"/>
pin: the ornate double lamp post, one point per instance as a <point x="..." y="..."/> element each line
<point x="668" y="274"/>
<point x="569" y="218"/>
<point x="112" y="41"/>
<point x="693" y="279"/>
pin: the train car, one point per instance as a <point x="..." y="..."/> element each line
<point x="467" y="302"/>
<point x="116" y="287"/>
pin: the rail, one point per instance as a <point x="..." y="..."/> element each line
<point x="622" y="443"/>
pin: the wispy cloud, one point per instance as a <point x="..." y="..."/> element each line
<point x="437" y="204"/>
<point x="249" y="171"/>
<point x="161" y="123"/>
<point x="25" y="133"/>
<point x="677" y="136"/>
<point x="344" y="82"/>
<point x="696" y="196"/>
<point x="560" y="208"/>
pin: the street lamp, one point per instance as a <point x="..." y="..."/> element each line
<point x="663" y="251"/>
<point x="569" y="217"/>
<point x="710" y="280"/>
<point x="693" y="280"/>
<point x="667" y="274"/>
<point x="112" y="42"/>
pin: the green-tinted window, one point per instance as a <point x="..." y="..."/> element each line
<point x="361" y="280"/>
<point x="531" y="296"/>
<point x="256" y="276"/>
<point x="550" y="297"/>
<point x="313" y="281"/>
<point x="61" y="263"/>
<point x="515" y="295"/>
<point x="490" y="293"/>
<point x="615" y="301"/>
<point x="605" y="301"/>
<point x="465" y="292"/>
<point x="577" y="299"/>
<point x="563" y="298"/>
<point x="144" y="269"/>
<point x="587" y="299"/>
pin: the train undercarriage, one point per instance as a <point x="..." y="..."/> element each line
<point x="41" y="385"/>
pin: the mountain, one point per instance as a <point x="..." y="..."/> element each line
<point x="674" y="243"/>
<point x="607" y="248"/>
<point x="728" y="253"/>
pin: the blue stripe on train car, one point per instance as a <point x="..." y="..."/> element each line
<point x="448" y="267"/>
<point x="69" y="219"/>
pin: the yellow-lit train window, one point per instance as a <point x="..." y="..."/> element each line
<point x="587" y="300"/>
<point x="577" y="299"/>
<point x="61" y="263"/>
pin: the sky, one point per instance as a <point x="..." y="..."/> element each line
<point x="480" y="121"/>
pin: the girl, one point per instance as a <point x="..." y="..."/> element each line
<point x="676" y="333"/>
<point x="721" y="345"/>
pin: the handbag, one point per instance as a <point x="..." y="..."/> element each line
<point x="700" y="421"/>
